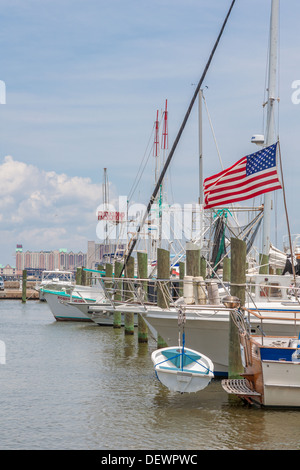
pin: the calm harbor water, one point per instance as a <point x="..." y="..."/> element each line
<point x="81" y="386"/>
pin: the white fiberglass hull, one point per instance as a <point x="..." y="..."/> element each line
<point x="281" y="383"/>
<point x="209" y="332"/>
<point x="182" y="370"/>
<point x="61" y="310"/>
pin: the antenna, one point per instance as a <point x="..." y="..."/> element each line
<point x="164" y="144"/>
<point x="156" y="148"/>
<point x="105" y="190"/>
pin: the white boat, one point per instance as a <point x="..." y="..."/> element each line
<point x="182" y="369"/>
<point x="58" y="302"/>
<point x="62" y="302"/>
<point x="55" y="279"/>
<point x="271" y="376"/>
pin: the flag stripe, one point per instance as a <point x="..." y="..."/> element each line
<point x="246" y="182"/>
<point x="240" y="166"/>
<point x="231" y="200"/>
<point x="253" y="189"/>
<point x="249" y="177"/>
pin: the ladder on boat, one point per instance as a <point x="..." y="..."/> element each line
<point x="239" y="387"/>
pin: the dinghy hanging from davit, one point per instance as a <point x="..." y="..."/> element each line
<point x="182" y="369"/>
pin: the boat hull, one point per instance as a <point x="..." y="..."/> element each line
<point x="63" y="311"/>
<point x="208" y="333"/>
<point x="281" y="381"/>
<point x="182" y="370"/>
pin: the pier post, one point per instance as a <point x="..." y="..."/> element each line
<point x="83" y="277"/>
<point x="238" y="288"/>
<point x="193" y="260"/>
<point x="264" y="264"/>
<point x="24" y="286"/>
<point x="163" y="272"/>
<point x="181" y="277"/>
<point x="118" y="295"/>
<point x="78" y="276"/>
<point x="108" y="273"/>
<point x="203" y="267"/>
<point x="226" y="269"/>
<point x="142" y="273"/>
<point x="129" y="317"/>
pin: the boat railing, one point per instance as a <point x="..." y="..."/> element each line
<point x="162" y="292"/>
<point x="270" y="290"/>
<point x="244" y="318"/>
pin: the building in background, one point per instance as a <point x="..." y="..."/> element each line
<point x="35" y="262"/>
<point x="101" y="253"/>
<point x="7" y="271"/>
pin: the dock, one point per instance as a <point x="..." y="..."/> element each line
<point x="13" y="291"/>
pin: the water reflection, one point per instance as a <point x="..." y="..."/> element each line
<point x="81" y="386"/>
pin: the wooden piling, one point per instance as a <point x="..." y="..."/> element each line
<point x="108" y="274"/>
<point x="78" y="276"/>
<point x="24" y="286"/>
<point x="83" y="277"/>
<point x="203" y="267"/>
<point x="226" y="269"/>
<point x="129" y="317"/>
<point x="117" y="323"/>
<point x="142" y="273"/>
<point x="264" y="264"/>
<point x="238" y="287"/>
<point x="163" y="272"/>
<point x="192" y="260"/>
<point x="181" y="277"/>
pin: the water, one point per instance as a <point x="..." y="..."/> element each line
<point x="81" y="386"/>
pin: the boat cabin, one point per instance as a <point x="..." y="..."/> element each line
<point x="269" y="288"/>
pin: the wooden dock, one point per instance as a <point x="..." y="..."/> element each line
<point x="13" y="290"/>
<point x="14" y="294"/>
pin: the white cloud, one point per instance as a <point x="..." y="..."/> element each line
<point x="45" y="210"/>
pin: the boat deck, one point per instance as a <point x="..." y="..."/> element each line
<point x="276" y="341"/>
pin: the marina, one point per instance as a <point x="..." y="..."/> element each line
<point x="187" y="342"/>
<point x="70" y="385"/>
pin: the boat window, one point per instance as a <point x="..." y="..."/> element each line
<point x="275" y="290"/>
<point x="271" y="289"/>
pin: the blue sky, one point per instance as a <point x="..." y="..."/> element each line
<point x="84" y="80"/>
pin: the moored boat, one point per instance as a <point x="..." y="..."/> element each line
<point x="55" y="279"/>
<point x="271" y="376"/>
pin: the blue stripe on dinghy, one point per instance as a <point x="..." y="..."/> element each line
<point x="175" y="356"/>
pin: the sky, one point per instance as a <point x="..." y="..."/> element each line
<point x="83" y="82"/>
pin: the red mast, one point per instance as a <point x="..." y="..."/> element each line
<point x="165" y="130"/>
<point x="156" y="138"/>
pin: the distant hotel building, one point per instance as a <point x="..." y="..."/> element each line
<point x="38" y="261"/>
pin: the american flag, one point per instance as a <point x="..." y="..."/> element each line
<point x="252" y="175"/>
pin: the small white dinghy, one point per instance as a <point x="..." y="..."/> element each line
<point x="182" y="369"/>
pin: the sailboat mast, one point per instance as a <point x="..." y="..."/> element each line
<point x="175" y="143"/>
<point x="201" y="197"/>
<point x="270" y="128"/>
